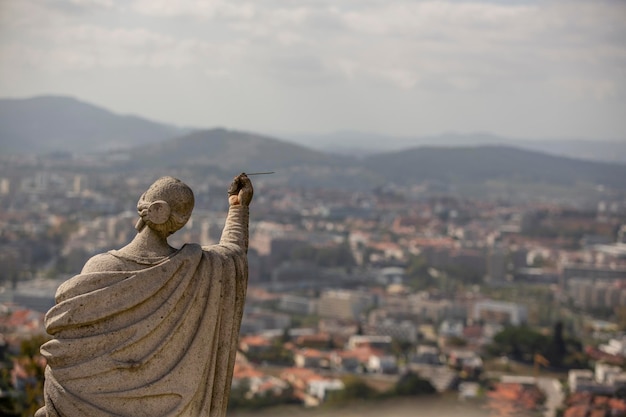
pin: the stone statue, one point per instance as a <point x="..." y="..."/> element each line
<point x="149" y="330"/>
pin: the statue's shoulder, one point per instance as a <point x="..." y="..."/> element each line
<point x="103" y="262"/>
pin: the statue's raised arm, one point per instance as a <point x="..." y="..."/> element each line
<point x="150" y="330"/>
<point x="240" y="195"/>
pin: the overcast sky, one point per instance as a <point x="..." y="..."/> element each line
<point x="526" y="69"/>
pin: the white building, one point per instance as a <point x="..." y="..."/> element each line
<point x="376" y="342"/>
<point x="297" y="304"/>
<point x="319" y="388"/>
<point x="580" y="379"/>
<point x="605" y="372"/>
<point x="615" y="347"/>
<point x="500" y="312"/>
<point x="382" y="364"/>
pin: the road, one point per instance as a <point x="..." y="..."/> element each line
<point x="554" y="394"/>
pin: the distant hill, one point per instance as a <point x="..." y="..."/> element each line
<point x="48" y="124"/>
<point x="359" y="144"/>
<point x="477" y="168"/>
<point x="479" y="164"/>
<point x="592" y="150"/>
<point x="227" y="149"/>
<point x="229" y="152"/>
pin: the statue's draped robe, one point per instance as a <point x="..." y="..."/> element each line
<point x="157" y="340"/>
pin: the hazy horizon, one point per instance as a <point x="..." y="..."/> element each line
<point x="303" y="137"/>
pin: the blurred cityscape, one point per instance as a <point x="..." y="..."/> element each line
<point x="444" y="233"/>
<point x="351" y="293"/>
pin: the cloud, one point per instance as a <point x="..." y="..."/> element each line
<point x="401" y="41"/>
<point x="587" y="88"/>
<point x="523" y="50"/>
<point x="205" y="9"/>
<point x="86" y="47"/>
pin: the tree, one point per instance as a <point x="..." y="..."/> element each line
<point x="455" y="341"/>
<point x="335" y="256"/>
<point x="522" y="343"/>
<point x="557" y="349"/>
<point x="620" y="312"/>
<point x="411" y="384"/>
<point x="401" y="348"/>
<point x="24" y="402"/>
<point x="417" y="273"/>
<point x="354" y="388"/>
<point x="519" y="342"/>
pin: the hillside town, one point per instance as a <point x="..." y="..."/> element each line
<point x="522" y="304"/>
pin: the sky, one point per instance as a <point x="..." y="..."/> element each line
<point x="521" y="69"/>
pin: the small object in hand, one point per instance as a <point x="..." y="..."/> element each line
<point x="236" y="185"/>
<point x="261" y="173"/>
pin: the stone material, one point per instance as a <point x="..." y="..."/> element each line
<point x="149" y="330"/>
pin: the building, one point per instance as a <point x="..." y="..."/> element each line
<point x="297" y="304"/>
<point x="580" y="379"/>
<point x="382" y="364"/>
<point x="436" y="309"/>
<point x="592" y="273"/>
<point x="257" y="320"/>
<point x="311" y="358"/>
<point x="319" y="388"/>
<point x="496" y="266"/>
<point x="586" y="293"/>
<point x="400" y="330"/>
<point x="345" y="304"/>
<point x="500" y="312"/>
<point x="376" y="342"/>
<point x="615" y="347"/>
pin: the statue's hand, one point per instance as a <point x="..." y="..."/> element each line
<point x="240" y="191"/>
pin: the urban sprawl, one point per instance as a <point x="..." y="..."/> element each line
<point x="493" y="299"/>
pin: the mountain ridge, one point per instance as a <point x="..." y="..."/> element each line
<point x="156" y="147"/>
<point x="344" y="142"/>
<point x="224" y="148"/>
<point x="493" y="162"/>
<point x="58" y="123"/>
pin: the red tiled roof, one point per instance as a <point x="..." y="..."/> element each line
<point x="241" y="372"/>
<point x="579" y="398"/>
<point x="255" y="341"/>
<point x="600" y="400"/>
<point x="300" y="376"/>
<point x="617" y="404"/>
<point x="598" y="412"/>
<point x="298" y="372"/>
<point x="314" y="353"/>
<point x="576" y="411"/>
<point x="308" y="338"/>
<point x="473" y="331"/>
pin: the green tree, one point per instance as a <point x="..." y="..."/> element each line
<point x="24" y="403"/>
<point x="556" y="351"/>
<point x="354" y="388"/>
<point x="522" y="343"/>
<point x="417" y="273"/>
<point x="411" y="384"/>
<point x="518" y="342"/>
<point x="401" y="348"/>
<point x="333" y="256"/>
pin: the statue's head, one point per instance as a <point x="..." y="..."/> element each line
<point x="166" y="206"/>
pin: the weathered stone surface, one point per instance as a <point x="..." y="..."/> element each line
<point x="149" y="330"/>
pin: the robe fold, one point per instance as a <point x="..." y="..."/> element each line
<point x="152" y="340"/>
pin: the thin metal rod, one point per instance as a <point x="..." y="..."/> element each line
<point x="261" y="173"/>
